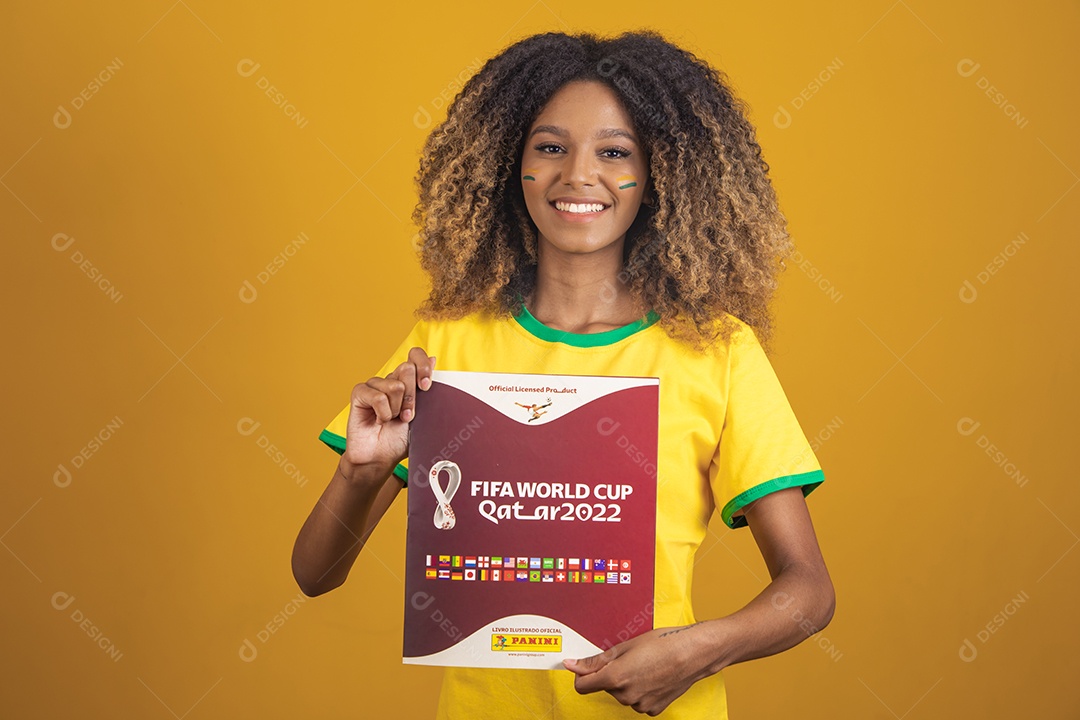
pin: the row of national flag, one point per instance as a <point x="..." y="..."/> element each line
<point x="490" y="562"/>
<point x="541" y="576"/>
<point x="498" y="568"/>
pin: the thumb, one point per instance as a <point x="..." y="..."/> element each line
<point x="591" y="664"/>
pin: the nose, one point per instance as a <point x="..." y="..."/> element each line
<point x="579" y="168"/>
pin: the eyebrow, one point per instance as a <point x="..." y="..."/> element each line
<point x="600" y="135"/>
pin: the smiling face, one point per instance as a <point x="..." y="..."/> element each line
<point x="584" y="173"/>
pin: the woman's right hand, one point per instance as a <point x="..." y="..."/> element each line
<point x="377" y="434"/>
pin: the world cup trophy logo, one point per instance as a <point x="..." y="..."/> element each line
<point x="444" y="514"/>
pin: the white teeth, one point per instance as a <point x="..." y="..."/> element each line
<point x="573" y="208"/>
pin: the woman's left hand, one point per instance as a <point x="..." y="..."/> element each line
<point x="650" y="671"/>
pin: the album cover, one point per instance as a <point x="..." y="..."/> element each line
<point x="531" y="518"/>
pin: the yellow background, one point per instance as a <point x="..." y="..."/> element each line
<point x="180" y="179"/>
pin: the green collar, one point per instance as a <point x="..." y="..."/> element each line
<point x="607" y="337"/>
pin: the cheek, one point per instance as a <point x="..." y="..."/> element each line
<point x="529" y="175"/>
<point x="627" y="183"/>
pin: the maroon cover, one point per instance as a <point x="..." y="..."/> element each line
<point x="541" y="500"/>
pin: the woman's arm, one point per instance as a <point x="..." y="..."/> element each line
<point x="337" y="528"/>
<point x="376" y="440"/>
<point x="650" y="671"/>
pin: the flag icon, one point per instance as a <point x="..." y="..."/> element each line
<point x="496" y="575"/>
<point x="522" y="576"/>
<point x="508" y="563"/>
<point x="598" y="578"/>
<point x="613" y="578"/>
<point x="549" y="564"/>
<point x="457" y="561"/>
<point x="523" y="563"/>
<point x="586" y="577"/>
<point x="457" y="575"/>
<point x="444" y="561"/>
<point x="624" y="578"/>
<point x="534" y="563"/>
<point x="624" y="566"/>
<point x="586" y="564"/>
<point x="560" y="563"/>
<point x="470" y="573"/>
<point x="431" y="574"/>
<point x="560" y="576"/>
<point x="483" y="561"/>
<point x="470" y="561"/>
<point x="444" y="574"/>
<point x="428" y="563"/>
<point x="534" y="576"/>
<point x="547" y="576"/>
<point x="599" y="565"/>
<point x="575" y="576"/>
<point x="574" y="564"/>
<point x="484" y="574"/>
<point x="508" y="575"/>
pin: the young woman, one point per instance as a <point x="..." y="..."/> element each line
<point x="601" y="207"/>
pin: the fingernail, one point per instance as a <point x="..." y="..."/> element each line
<point x="425" y="383"/>
<point x="406" y="415"/>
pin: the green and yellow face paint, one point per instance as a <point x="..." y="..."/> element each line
<point x="626" y="181"/>
<point x="529" y="174"/>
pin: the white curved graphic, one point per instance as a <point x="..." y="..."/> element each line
<point x="533" y="399"/>
<point x="444" y="514"/>
<point x="476" y="649"/>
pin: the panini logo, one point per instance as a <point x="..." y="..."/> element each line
<point x="536" y="643"/>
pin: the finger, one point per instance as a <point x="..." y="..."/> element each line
<point x="425" y="365"/>
<point x="598" y="681"/>
<point x="406" y="373"/>
<point x="589" y="665"/>
<point x="368" y="397"/>
<point x="394" y="390"/>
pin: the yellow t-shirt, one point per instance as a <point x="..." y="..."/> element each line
<point x="728" y="436"/>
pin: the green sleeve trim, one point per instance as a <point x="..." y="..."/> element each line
<point x="807" y="481"/>
<point x="337" y="443"/>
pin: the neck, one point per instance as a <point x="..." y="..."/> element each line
<point x="582" y="293"/>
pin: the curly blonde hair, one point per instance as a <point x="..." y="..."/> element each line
<point x="713" y="242"/>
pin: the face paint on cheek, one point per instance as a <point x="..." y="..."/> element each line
<point x="530" y="174"/>
<point x="626" y="181"/>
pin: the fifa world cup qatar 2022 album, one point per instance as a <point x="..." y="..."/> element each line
<point x="531" y="518"/>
